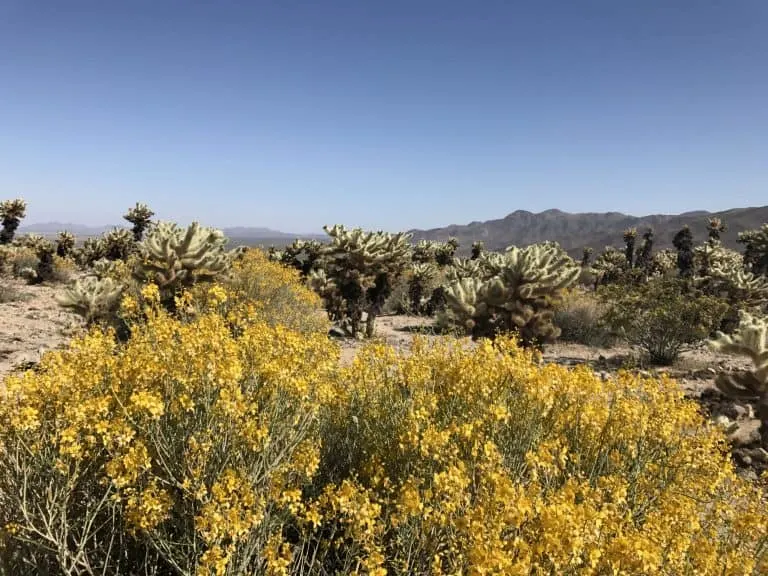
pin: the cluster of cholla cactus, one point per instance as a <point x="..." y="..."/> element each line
<point x="422" y="283"/>
<point x="12" y="212"/>
<point x="514" y="292"/>
<point x="140" y="216"/>
<point x="358" y="272"/>
<point x="750" y="340"/>
<point x="431" y="252"/>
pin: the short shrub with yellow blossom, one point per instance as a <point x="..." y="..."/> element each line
<point x="193" y="448"/>
<point x="259" y="288"/>
<point x="182" y="448"/>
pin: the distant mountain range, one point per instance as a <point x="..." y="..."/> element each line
<point x="572" y="231"/>
<point x="238" y="234"/>
<point x="575" y="231"/>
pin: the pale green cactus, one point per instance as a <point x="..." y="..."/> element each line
<point x="95" y="299"/>
<point x="363" y="266"/>
<point x="523" y="285"/>
<point x="173" y="257"/>
<point x="750" y="340"/>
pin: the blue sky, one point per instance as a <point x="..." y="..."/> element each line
<point x="384" y="114"/>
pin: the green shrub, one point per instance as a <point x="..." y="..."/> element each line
<point x="660" y="317"/>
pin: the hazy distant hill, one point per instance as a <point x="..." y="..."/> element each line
<point x="572" y="231"/>
<point x="237" y="234"/>
<point x="598" y="230"/>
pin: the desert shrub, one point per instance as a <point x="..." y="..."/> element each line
<point x="269" y="291"/>
<point x="661" y="318"/>
<point x="399" y="300"/>
<point x="579" y="315"/>
<point x="179" y="452"/>
<point x="23" y="261"/>
<point x="191" y="449"/>
<point x="63" y="269"/>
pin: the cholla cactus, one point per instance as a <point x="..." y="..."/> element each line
<point x="327" y="290"/>
<point x="92" y="250"/>
<point x="173" y="257"/>
<point x="683" y="242"/>
<point x="95" y="299"/>
<point x="118" y="244"/>
<point x="12" y="212"/>
<point x="756" y="249"/>
<point x="303" y="255"/>
<point x="478" y="248"/>
<point x="645" y="254"/>
<point x="421" y="285"/>
<point x="141" y="218"/>
<point x="750" y="340"/>
<point x="363" y="266"/>
<point x="526" y="282"/>
<point x="65" y="244"/>
<point x="609" y="266"/>
<point x="663" y="262"/>
<point x="586" y="256"/>
<point x="463" y="268"/>
<point x="630" y="238"/>
<point x="715" y="227"/>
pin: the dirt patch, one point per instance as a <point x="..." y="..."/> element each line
<point x="31" y="323"/>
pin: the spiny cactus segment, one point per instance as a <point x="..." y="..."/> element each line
<point x="750" y="340"/>
<point x="92" y="298"/>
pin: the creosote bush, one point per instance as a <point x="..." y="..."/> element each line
<point x="196" y="448"/>
<point x="660" y="318"/>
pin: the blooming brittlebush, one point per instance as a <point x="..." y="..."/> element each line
<point x="225" y="442"/>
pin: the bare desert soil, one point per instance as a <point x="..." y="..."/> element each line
<point x="31" y="323"/>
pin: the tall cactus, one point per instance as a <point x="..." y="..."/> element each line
<point x="363" y="266"/>
<point x="683" y="243"/>
<point x="630" y="238"/>
<point x="65" y="244"/>
<point x="518" y="296"/>
<point x="12" y="212"/>
<point x="141" y="218"/>
<point x="478" y="248"/>
<point x="750" y="340"/>
<point x="756" y="249"/>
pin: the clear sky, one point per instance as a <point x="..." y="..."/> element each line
<point x="381" y="113"/>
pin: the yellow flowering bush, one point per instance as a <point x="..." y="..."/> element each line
<point x="194" y="448"/>
<point x="177" y="448"/>
<point x="457" y="461"/>
<point x="274" y="293"/>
